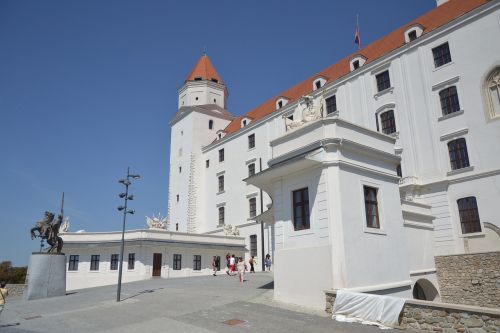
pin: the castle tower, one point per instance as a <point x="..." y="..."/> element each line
<point x="201" y="113"/>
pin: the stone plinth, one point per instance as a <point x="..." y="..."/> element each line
<point x="46" y="275"/>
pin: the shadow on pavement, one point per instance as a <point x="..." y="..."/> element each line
<point x="269" y="285"/>
<point x="147" y="291"/>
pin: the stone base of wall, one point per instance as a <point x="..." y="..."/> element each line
<point x="16" y="290"/>
<point x="441" y="317"/>
<point x="472" y="279"/>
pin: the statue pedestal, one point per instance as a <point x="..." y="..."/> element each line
<point x="46" y="275"/>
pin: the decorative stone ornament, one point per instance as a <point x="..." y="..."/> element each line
<point x="156" y="222"/>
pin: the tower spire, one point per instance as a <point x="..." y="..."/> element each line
<point x="204" y="70"/>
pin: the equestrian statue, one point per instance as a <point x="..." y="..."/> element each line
<point x="48" y="230"/>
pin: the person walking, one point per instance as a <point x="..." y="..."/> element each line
<point x="268" y="262"/>
<point x="214" y="265"/>
<point x="241" y="269"/>
<point x="3" y="296"/>
<point x="252" y="263"/>
<point x="228" y="257"/>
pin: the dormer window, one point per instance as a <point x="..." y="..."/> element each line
<point x="318" y="83"/>
<point x="197" y="78"/>
<point x="245" y="121"/>
<point x="281" y="102"/>
<point x="413" y="33"/>
<point x="220" y="134"/>
<point x="357" y="62"/>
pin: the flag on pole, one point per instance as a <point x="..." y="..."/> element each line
<point x="357" y="38"/>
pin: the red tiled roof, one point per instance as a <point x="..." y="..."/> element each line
<point x="430" y="21"/>
<point x="204" y="70"/>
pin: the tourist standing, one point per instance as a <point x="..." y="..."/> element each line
<point x="3" y="295"/>
<point x="214" y="265"/>
<point x="268" y="262"/>
<point x="228" y="259"/>
<point x="232" y="262"/>
<point x="252" y="262"/>
<point x="241" y="269"/>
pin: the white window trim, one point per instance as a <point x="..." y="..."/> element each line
<point x="361" y="60"/>
<point x="489" y="108"/>
<point x="453" y="136"/>
<point x="457" y="216"/>
<point x="322" y="81"/>
<point x="414" y="27"/>
<point x="382" y="109"/>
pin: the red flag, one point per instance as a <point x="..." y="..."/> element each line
<point x="357" y="39"/>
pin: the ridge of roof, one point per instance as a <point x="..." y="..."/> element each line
<point x="204" y="70"/>
<point x="430" y="21"/>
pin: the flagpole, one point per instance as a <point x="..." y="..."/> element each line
<point x="357" y="25"/>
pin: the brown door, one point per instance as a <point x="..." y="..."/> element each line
<point x="156" y="264"/>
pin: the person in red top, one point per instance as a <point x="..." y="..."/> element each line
<point x="232" y="262"/>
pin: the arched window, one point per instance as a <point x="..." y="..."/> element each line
<point x="210" y="124"/>
<point x="492" y="93"/>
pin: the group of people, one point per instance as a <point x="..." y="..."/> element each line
<point x="234" y="263"/>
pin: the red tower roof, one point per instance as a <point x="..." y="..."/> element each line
<point x="204" y="70"/>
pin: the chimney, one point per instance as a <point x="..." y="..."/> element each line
<point x="440" y="2"/>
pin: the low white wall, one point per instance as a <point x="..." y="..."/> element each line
<point x="301" y="275"/>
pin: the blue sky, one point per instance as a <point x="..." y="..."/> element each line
<point x="87" y="88"/>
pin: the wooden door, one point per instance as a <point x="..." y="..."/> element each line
<point x="156" y="264"/>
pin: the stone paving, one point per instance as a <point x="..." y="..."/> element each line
<point x="198" y="304"/>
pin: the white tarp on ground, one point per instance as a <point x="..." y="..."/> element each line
<point x="367" y="308"/>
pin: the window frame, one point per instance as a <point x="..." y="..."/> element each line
<point x="367" y="224"/>
<point x="177" y="262"/>
<point x="131" y="261"/>
<point x="251" y="141"/>
<point x="492" y="80"/>
<point x="197" y="262"/>
<point x="113" y="261"/>
<point x="383" y="83"/>
<point x="252" y="207"/>
<point x="251" y="169"/>
<point x="94" y="262"/>
<point x="465" y="210"/>
<point x="304" y="207"/>
<point x="460" y="162"/>
<point x="387" y="123"/>
<point x="73" y="262"/>
<point x="220" y="182"/>
<point x="222" y="215"/>
<point x="331" y="107"/>
<point x="440" y="59"/>
<point x="221" y="155"/>
<point x="450" y="103"/>
<point x="253" y="245"/>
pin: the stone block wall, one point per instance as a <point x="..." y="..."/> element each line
<point x="439" y="317"/>
<point x="472" y="279"/>
<point x="16" y="290"/>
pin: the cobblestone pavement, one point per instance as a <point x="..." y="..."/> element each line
<point x="198" y="304"/>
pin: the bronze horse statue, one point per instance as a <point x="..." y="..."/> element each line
<point x="48" y="229"/>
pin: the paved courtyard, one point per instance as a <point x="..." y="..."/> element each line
<point x="199" y="304"/>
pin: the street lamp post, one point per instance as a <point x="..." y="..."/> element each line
<point x="126" y="211"/>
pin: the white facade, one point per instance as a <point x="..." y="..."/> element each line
<point x="335" y="155"/>
<point x="143" y="245"/>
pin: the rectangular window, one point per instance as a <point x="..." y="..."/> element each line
<point x="197" y="262"/>
<point x="221" y="155"/>
<point x="469" y="215"/>
<point x="449" y="100"/>
<point x="114" y="262"/>
<point x="458" y="154"/>
<point x="73" y="262"/>
<point x="221" y="183"/>
<point x="177" y="262"/>
<point x="399" y="171"/>
<point x="388" y="122"/>
<point x="355" y="64"/>
<point x="94" y="262"/>
<point x="221" y="215"/>
<point x="253" y="206"/>
<point x="253" y="245"/>
<point x="412" y="35"/>
<point x="383" y="81"/>
<point x="441" y="55"/>
<point x="301" y="209"/>
<point x="251" y="170"/>
<point x="331" y="104"/>
<point x="371" y="207"/>
<point x="207" y="163"/>
<point x="131" y="261"/>
<point x="251" y="141"/>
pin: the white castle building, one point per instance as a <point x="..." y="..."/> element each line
<point x="358" y="176"/>
<point x="361" y="173"/>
